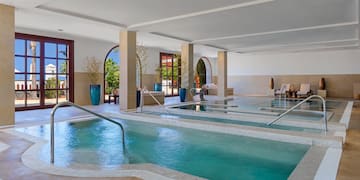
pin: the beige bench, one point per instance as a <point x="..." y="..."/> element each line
<point x="229" y="92"/>
<point x="148" y="100"/>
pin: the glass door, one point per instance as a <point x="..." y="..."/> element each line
<point x="43" y="71"/>
<point x="170" y="70"/>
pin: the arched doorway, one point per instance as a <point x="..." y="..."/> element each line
<point x="111" y="72"/>
<point x="200" y="73"/>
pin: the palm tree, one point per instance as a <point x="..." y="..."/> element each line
<point x="33" y="67"/>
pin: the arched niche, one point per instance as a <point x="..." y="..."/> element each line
<point x="204" y="62"/>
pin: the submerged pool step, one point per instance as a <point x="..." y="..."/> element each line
<point x="243" y="111"/>
<point x="298" y="111"/>
<point x="221" y="105"/>
<point x="234" y="122"/>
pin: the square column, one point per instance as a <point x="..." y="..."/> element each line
<point x="187" y="70"/>
<point x="127" y="90"/>
<point x="7" y="87"/>
<point x="222" y="74"/>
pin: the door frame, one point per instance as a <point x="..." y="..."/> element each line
<point x="43" y="40"/>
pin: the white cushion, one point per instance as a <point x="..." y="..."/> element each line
<point x="211" y="86"/>
<point x="304" y="89"/>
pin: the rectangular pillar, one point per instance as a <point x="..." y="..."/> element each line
<point x="222" y="74"/>
<point x="127" y="90"/>
<point x="187" y="70"/>
<point x="7" y="89"/>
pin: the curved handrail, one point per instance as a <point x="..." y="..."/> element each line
<point x="192" y="91"/>
<point x="52" y="139"/>
<point x="300" y="103"/>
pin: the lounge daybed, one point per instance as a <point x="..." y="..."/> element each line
<point x="283" y="90"/>
<point x="148" y="100"/>
<point x="304" y="91"/>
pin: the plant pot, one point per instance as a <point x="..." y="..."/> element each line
<point x="182" y="94"/>
<point x="95" y="94"/>
<point x="157" y="87"/>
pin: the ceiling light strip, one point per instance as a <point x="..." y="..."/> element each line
<point x="291" y="45"/>
<point x="170" y="37"/>
<point x="240" y="5"/>
<point x="304" y="49"/>
<point x="277" y="32"/>
<point x="80" y="16"/>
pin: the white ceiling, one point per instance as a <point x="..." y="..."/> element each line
<point x="246" y="26"/>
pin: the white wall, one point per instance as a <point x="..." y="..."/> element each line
<point x="83" y="47"/>
<point x="153" y="59"/>
<point x="302" y="63"/>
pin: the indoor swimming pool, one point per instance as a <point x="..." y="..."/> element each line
<point x="309" y="111"/>
<point x="205" y="154"/>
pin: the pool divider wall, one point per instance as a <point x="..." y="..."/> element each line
<point x="335" y="129"/>
<point x="255" y="132"/>
<point x="3" y="146"/>
<point x="345" y="118"/>
<point x="329" y="165"/>
<point x="308" y="166"/>
<point x="259" y="119"/>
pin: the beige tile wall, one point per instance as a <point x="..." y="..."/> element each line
<point x="7" y="39"/>
<point x="148" y="80"/>
<point x="339" y="86"/>
<point x="82" y="88"/>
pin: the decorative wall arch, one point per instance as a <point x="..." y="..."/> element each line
<point x="209" y="71"/>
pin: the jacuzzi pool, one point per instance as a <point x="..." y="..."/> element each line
<point x="205" y="154"/>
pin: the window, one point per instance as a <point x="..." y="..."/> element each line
<point x="43" y="71"/>
<point x="170" y="65"/>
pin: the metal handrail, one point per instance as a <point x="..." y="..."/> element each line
<point x="300" y="103"/>
<point x="67" y="103"/>
<point x="152" y="96"/>
<point x="193" y="90"/>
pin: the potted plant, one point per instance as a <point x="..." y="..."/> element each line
<point x="93" y="72"/>
<point x="158" y="85"/>
<point x="184" y="73"/>
<point x="182" y="94"/>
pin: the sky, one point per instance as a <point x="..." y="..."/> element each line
<point x="114" y="55"/>
<point x="22" y="48"/>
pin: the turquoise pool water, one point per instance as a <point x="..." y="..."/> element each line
<point x="209" y="155"/>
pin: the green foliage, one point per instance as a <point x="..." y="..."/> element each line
<point x="63" y="67"/>
<point x="112" y="75"/>
<point x="201" y="71"/>
<point x="171" y="72"/>
<point x="51" y="84"/>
